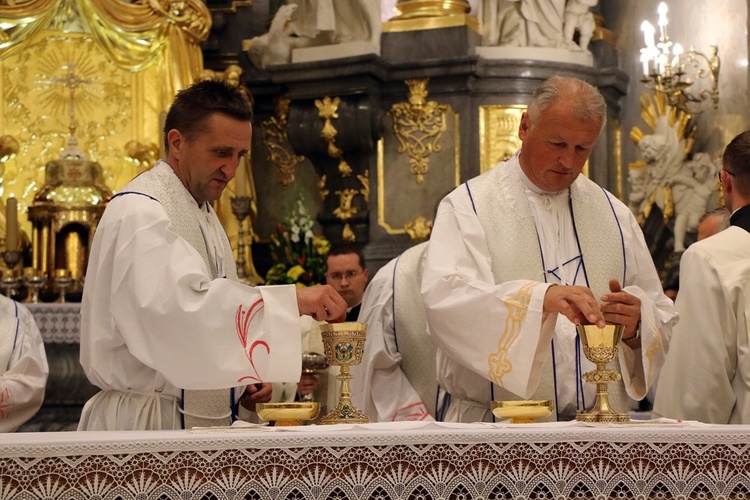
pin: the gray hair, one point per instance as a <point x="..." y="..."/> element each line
<point x="588" y="103"/>
<point x="722" y="213"/>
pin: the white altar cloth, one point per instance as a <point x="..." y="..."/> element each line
<point x="391" y="460"/>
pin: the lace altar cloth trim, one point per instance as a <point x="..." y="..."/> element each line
<point x="435" y="461"/>
<point x="58" y="323"/>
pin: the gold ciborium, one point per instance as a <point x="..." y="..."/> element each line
<point x="600" y="346"/>
<point x="344" y="344"/>
<point x="522" y="412"/>
<point x="283" y="414"/>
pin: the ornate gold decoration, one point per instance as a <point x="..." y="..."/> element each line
<point x="143" y="157"/>
<point x="498" y="133"/>
<point x="416" y="15"/>
<point x="322" y="191"/>
<point x="347" y="234"/>
<point x="277" y="142"/>
<point x="116" y="107"/>
<point x="328" y="109"/>
<point x="365" y="180"/>
<point x="418" y="229"/>
<point x="345" y="210"/>
<point x="418" y="126"/>
<point x="9" y="148"/>
<point x="498" y="363"/>
<point x="132" y="35"/>
<point x="232" y="9"/>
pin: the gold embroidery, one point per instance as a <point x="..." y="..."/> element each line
<point x="517" y="305"/>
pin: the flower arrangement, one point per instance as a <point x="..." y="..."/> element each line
<point x="299" y="255"/>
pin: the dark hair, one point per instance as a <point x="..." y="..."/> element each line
<point x="345" y="249"/>
<point x="193" y="106"/>
<point x="737" y="159"/>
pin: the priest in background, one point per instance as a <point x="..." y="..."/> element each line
<point x="347" y="274"/>
<point x="707" y="374"/>
<point x="521" y="254"/>
<point x="23" y="365"/>
<point x="167" y="333"/>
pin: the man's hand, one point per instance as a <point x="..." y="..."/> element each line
<point x="307" y="384"/>
<point x="253" y="395"/>
<point x="321" y="302"/>
<point x="577" y="303"/>
<point x="621" y="308"/>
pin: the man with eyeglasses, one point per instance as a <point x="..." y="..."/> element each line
<point x="347" y="274"/>
<point x="706" y="376"/>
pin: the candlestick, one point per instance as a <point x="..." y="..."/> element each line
<point x="240" y="179"/>
<point x="11" y="225"/>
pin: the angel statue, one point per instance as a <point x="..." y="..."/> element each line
<point x="691" y="190"/>
<point x="275" y="47"/>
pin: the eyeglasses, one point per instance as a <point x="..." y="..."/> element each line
<point x="727" y="171"/>
<point x="349" y="275"/>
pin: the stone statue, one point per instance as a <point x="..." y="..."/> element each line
<point x="339" y="21"/>
<point x="578" y="16"/>
<point x="691" y="189"/>
<point x="638" y="175"/>
<point x="523" y="23"/>
<point x="275" y="47"/>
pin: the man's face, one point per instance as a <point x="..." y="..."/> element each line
<point x="556" y="146"/>
<point x="347" y="277"/>
<point x="207" y="162"/>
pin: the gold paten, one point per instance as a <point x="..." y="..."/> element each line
<point x="328" y="109"/>
<point x="284" y="414"/>
<point x="522" y="412"/>
<point x="344" y="345"/>
<point x="498" y="133"/>
<point x="600" y="346"/>
<point x="418" y="126"/>
<point x="276" y="141"/>
<point x="414" y="15"/>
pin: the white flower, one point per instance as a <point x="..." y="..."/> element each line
<point x="294" y="237"/>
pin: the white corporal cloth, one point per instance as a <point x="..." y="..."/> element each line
<point x="23" y="365"/>
<point x="498" y="243"/>
<point x="707" y="374"/>
<point x="161" y="312"/>
<point x="380" y="387"/>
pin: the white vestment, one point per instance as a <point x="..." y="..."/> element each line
<point x="498" y="243"/>
<point x="23" y="365"/>
<point x="161" y="311"/>
<point x="707" y="374"/>
<point x="379" y="386"/>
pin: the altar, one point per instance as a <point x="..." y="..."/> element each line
<point x="663" y="459"/>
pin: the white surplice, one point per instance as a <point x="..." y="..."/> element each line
<point x="23" y="365"/>
<point x="707" y="374"/>
<point x="379" y="386"/>
<point x="161" y="312"/>
<point x="497" y="244"/>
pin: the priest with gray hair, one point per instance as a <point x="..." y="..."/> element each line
<point x="521" y="254"/>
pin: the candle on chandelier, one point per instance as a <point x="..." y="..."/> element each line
<point x="11" y="224"/>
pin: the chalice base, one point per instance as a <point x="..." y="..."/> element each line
<point x="602" y="417"/>
<point x="345" y="414"/>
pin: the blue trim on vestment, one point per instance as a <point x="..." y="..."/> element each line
<point x="393" y="302"/>
<point x="468" y="189"/>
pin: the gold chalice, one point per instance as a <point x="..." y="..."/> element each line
<point x="600" y="346"/>
<point x="522" y="412"/>
<point x="344" y="344"/>
<point x="284" y="414"/>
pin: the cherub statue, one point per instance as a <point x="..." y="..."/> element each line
<point x="578" y="16"/>
<point x="691" y="189"/>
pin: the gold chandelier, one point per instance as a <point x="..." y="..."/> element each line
<point x="667" y="67"/>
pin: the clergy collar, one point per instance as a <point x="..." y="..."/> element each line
<point x="533" y="187"/>
<point x="741" y="218"/>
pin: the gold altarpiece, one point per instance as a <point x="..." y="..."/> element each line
<point x="131" y="57"/>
